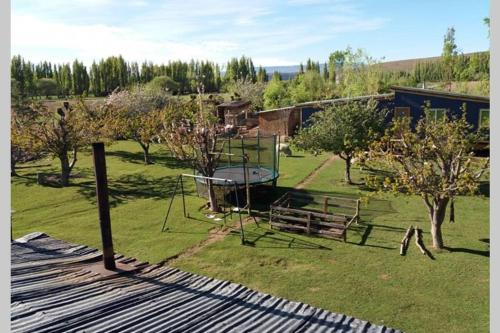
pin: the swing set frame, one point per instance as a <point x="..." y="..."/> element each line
<point x="227" y="184"/>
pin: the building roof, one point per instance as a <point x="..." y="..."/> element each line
<point x="440" y="93"/>
<point x="333" y="101"/>
<point x="234" y="104"/>
<point x="53" y="291"/>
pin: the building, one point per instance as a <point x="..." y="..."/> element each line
<point x="53" y="289"/>
<point x="410" y="102"/>
<point x="234" y="112"/>
<point x="287" y="120"/>
<point x="403" y="101"/>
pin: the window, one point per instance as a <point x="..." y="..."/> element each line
<point x="401" y="112"/>
<point x="484" y="118"/>
<point x="437" y="114"/>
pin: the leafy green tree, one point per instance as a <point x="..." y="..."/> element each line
<point x="276" y="93"/>
<point x="449" y="54"/>
<point x="262" y="75"/>
<point x="80" y="79"/>
<point x="360" y="74"/>
<point x="343" y="129"/>
<point x="46" y="87"/>
<point x="309" y="86"/>
<point x="434" y="161"/>
<point x="335" y="63"/>
<point x="163" y="83"/>
<point x="486" y="21"/>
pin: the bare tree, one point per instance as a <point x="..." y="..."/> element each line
<point x="190" y="131"/>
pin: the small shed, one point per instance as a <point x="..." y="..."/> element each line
<point x="234" y="112"/>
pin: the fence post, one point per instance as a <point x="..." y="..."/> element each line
<point x="325" y="207"/>
<point x="357" y="211"/>
<point x="102" y="200"/>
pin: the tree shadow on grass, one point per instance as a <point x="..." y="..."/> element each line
<point x="160" y="158"/>
<point x="484" y="188"/>
<point x="134" y="186"/>
<point x="266" y="238"/>
<point x="470" y="251"/>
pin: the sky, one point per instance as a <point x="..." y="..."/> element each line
<point x="272" y="33"/>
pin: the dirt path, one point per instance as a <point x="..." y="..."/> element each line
<point x="306" y="181"/>
<point x="218" y="234"/>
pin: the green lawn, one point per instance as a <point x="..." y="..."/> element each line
<point x="139" y="196"/>
<point x="366" y="277"/>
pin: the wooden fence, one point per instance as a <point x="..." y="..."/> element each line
<point x="332" y="221"/>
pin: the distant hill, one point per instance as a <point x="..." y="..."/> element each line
<point x="397" y="65"/>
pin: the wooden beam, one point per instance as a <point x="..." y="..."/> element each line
<point x="103" y="203"/>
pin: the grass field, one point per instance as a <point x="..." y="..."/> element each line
<point x="139" y="196"/>
<point x="366" y="277"/>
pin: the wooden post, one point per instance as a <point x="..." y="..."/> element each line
<point x="102" y="200"/>
<point x="325" y="207"/>
<point x="357" y="211"/>
<point x="309" y="223"/>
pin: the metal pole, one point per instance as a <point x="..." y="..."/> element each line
<point x="171" y="201"/>
<point x="102" y="200"/>
<point x="183" y="200"/>
<point x="242" y="233"/>
<point x="258" y="148"/>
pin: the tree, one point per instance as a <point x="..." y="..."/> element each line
<point x="276" y="94"/>
<point x="163" y="83"/>
<point x="449" y="53"/>
<point x="309" y="86"/>
<point x="434" y="161"/>
<point x="343" y="129"/>
<point x="135" y="114"/>
<point x="335" y="63"/>
<point x="22" y="146"/>
<point x="80" y="79"/>
<point x="190" y="132"/>
<point x="253" y="92"/>
<point x="486" y="21"/>
<point x="62" y="134"/>
<point x="46" y="87"/>
<point x="262" y="75"/>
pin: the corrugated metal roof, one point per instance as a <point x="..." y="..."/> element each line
<point x="234" y="104"/>
<point x="332" y="101"/>
<point x="441" y="93"/>
<point x="54" y="291"/>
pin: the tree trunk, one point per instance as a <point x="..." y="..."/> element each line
<point x="214" y="207"/>
<point x="437" y="218"/>
<point x="65" y="169"/>
<point x="13" y="167"/>
<point x="347" y="175"/>
<point x="145" y="148"/>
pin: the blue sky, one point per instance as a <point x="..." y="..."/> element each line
<point x="284" y="32"/>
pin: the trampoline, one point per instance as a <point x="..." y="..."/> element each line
<point x="256" y="175"/>
<point x="259" y="167"/>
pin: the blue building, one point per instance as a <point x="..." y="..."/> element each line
<point x="410" y="102"/>
<point x="403" y="101"/>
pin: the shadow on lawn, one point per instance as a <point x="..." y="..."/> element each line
<point x="265" y="238"/>
<point x="160" y="158"/>
<point x="470" y="251"/>
<point x="133" y="187"/>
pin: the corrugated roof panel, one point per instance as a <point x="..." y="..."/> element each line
<point x="53" y="290"/>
